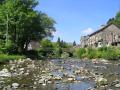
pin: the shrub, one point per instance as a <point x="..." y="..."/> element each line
<point x="109" y="53"/>
<point x="80" y="52"/>
<point x="64" y="55"/>
<point x="91" y="53"/>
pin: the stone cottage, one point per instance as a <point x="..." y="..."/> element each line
<point x="108" y="35"/>
<point x="33" y="45"/>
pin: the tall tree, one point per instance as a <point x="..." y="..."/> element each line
<point x="110" y="21"/>
<point x="58" y="41"/>
<point x="117" y="18"/>
<point x="74" y="43"/>
<point x="24" y="24"/>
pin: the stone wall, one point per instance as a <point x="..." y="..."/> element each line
<point x="108" y="35"/>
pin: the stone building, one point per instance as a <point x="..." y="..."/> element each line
<point x="106" y="36"/>
<point x="33" y="45"/>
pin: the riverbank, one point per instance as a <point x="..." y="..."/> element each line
<point x="60" y="74"/>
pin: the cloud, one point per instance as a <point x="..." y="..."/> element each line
<point x="87" y="31"/>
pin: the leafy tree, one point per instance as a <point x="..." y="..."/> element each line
<point x="57" y="50"/>
<point x="74" y="43"/>
<point x="23" y="23"/>
<point x="110" y="21"/>
<point x="117" y="18"/>
<point x="58" y="41"/>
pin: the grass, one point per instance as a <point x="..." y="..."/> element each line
<point x="6" y="58"/>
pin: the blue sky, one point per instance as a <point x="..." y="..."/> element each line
<point x="76" y="18"/>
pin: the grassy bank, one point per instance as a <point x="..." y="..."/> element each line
<point x="5" y="57"/>
<point x="109" y="53"/>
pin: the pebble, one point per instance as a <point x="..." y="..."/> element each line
<point x="44" y="84"/>
<point x="71" y="79"/>
<point x="15" y="85"/>
<point x="117" y="85"/>
<point x="5" y="73"/>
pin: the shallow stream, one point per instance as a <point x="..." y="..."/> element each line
<point x="60" y="74"/>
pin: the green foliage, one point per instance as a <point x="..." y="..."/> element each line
<point x="61" y="48"/>
<point x="110" y="21"/>
<point x="74" y="43"/>
<point x="91" y="53"/>
<point x="24" y="23"/>
<point x="65" y="55"/>
<point x="109" y="53"/>
<point x="5" y="57"/>
<point x="57" y="50"/>
<point x="80" y="52"/>
<point x="46" y="49"/>
<point x="115" y="20"/>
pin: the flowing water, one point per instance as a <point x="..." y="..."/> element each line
<point x="60" y="74"/>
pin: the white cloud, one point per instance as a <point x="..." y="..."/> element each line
<point x="87" y="31"/>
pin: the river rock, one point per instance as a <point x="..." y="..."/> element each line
<point x="90" y="88"/>
<point x="44" y="84"/>
<point x="21" y="69"/>
<point x="77" y="72"/>
<point x="5" y="73"/>
<point x="101" y="81"/>
<point x="104" y="61"/>
<point x="41" y="81"/>
<point x="15" y="85"/>
<point x="115" y="82"/>
<point x="117" y="85"/>
<point x="71" y="79"/>
<point x="57" y="78"/>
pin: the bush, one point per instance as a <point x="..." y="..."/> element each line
<point x="91" y="53"/>
<point x="109" y="53"/>
<point x="65" y="55"/>
<point x="80" y="52"/>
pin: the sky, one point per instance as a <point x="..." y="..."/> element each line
<point x="76" y="18"/>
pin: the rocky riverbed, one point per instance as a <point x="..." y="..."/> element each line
<point x="60" y="74"/>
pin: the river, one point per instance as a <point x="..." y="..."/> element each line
<point x="60" y="74"/>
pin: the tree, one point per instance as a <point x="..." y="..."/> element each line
<point x="59" y="41"/>
<point x="74" y="43"/>
<point x="24" y="24"/>
<point x="117" y="18"/>
<point x="1" y="1"/>
<point x="110" y="21"/>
